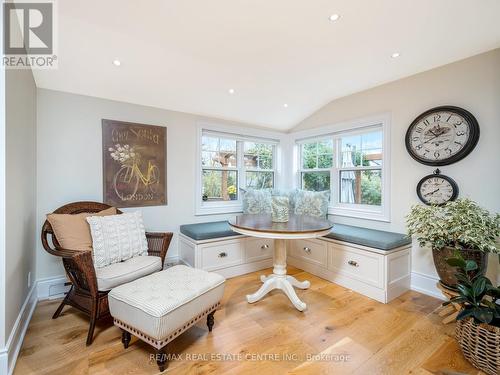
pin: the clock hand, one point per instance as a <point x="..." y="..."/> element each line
<point x="431" y="192"/>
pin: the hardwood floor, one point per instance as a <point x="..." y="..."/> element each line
<point x="341" y="332"/>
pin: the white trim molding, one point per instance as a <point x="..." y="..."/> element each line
<point x="8" y="355"/>
<point x="426" y="284"/>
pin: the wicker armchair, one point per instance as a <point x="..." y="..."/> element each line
<point x="84" y="294"/>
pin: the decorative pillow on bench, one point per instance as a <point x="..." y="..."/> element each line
<point x="73" y="231"/>
<point x="257" y="201"/>
<point x="311" y="203"/>
<point x="117" y="238"/>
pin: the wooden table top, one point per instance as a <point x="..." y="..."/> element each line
<point x="297" y="224"/>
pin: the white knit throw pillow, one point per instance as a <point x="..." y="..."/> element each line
<point x="117" y="237"/>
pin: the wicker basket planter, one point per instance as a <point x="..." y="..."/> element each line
<point x="480" y="344"/>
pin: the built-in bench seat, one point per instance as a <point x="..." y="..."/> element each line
<point x="208" y="231"/>
<point x="372" y="262"/>
<point x="377" y="239"/>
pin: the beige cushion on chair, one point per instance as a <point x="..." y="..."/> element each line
<point x="73" y="231"/>
<point x="120" y="273"/>
<point x="161" y="303"/>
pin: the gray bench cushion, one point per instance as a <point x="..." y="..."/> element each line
<point x="206" y="231"/>
<point x="368" y="237"/>
<point x="361" y="236"/>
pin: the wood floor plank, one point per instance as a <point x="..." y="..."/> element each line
<point x="268" y="337"/>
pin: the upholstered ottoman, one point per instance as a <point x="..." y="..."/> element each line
<point x="159" y="307"/>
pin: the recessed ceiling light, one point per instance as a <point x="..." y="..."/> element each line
<point x="231" y="91"/>
<point x="395" y="55"/>
<point x="117" y="62"/>
<point x="285" y="105"/>
<point x="334" y="17"/>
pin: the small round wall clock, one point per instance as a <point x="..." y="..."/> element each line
<point x="442" y="135"/>
<point x="437" y="189"/>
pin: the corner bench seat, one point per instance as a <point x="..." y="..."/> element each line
<point x="371" y="262"/>
<point x="377" y="239"/>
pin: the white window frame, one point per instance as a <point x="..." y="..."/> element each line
<point x="336" y="132"/>
<point x="241" y="135"/>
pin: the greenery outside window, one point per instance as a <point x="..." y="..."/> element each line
<point x="350" y="165"/>
<point x="229" y="163"/>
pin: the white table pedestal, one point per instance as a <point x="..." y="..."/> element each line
<point x="280" y="280"/>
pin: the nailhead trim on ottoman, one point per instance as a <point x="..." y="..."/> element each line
<point x="158" y="344"/>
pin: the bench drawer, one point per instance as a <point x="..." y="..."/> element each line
<point x="357" y="264"/>
<point x="312" y="251"/>
<point x="221" y="255"/>
<point x="258" y="249"/>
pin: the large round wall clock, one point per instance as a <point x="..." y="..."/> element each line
<point x="437" y="189"/>
<point x="442" y="135"/>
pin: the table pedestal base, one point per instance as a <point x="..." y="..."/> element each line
<point x="280" y="280"/>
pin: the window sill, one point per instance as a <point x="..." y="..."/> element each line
<point x="359" y="213"/>
<point x="219" y="209"/>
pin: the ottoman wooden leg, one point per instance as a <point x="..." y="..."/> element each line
<point x="125" y="338"/>
<point x="161" y="358"/>
<point x="210" y="321"/>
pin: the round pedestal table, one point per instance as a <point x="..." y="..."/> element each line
<point x="297" y="227"/>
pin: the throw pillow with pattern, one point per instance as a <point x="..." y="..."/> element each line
<point x="311" y="203"/>
<point x="257" y="201"/>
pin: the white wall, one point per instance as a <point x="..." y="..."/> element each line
<point x="2" y="202"/>
<point x="473" y="84"/>
<point x="20" y="190"/>
<point x="69" y="161"/>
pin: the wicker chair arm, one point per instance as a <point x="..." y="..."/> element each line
<point x="158" y="243"/>
<point x="80" y="269"/>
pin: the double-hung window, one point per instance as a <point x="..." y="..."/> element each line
<point x="351" y="165"/>
<point x="229" y="164"/>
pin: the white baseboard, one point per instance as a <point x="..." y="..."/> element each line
<point x="8" y="356"/>
<point x="426" y="284"/>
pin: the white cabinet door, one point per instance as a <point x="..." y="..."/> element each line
<point x="312" y="251"/>
<point x="357" y="264"/>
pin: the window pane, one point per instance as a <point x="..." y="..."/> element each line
<point x="325" y="161"/>
<point x="362" y="150"/>
<point x="259" y="180"/>
<point x="258" y="155"/>
<point x="218" y="152"/>
<point x="316" y="181"/>
<point x="371" y="144"/>
<point x="309" y="154"/>
<point x="361" y="187"/>
<point x="220" y="185"/>
<point x="209" y="143"/>
<point x="351" y="151"/>
<point x="325" y="147"/>
<point x="317" y="154"/>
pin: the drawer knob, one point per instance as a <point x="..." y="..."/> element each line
<point x="222" y="255"/>
<point x="307" y="250"/>
<point x="353" y="263"/>
<point x="264" y="247"/>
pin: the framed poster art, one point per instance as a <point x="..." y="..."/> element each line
<point x="134" y="158"/>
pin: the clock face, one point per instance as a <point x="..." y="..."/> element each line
<point x="442" y="136"/>
<point x="437" y="189"/>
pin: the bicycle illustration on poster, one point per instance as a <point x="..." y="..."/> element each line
<point x="134" y="164"/>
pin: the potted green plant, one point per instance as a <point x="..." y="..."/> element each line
<point x="231" y="190"/>
<point x="459" y="225"/>
<point x="478" y="321"/>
